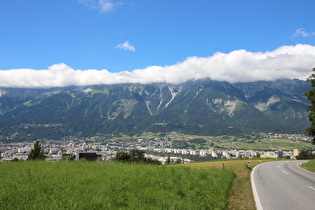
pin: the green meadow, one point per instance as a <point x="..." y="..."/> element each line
<point x="93" y="185"/>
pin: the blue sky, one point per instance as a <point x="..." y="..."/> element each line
<point x="121" y="35"/>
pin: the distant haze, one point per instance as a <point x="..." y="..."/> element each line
<point x="286" y="62"/>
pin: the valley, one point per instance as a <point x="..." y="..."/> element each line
<point x="161" y="146"/>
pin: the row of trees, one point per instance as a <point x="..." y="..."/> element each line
<point x="305" y="155"/>
<point x="135" y="156"/>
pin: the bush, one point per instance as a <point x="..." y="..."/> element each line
<point x="135" y="156"/>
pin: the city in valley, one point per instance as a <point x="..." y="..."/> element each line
<point x="172" y="146"/>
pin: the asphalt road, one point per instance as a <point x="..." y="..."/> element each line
<point x="283" y="185"/>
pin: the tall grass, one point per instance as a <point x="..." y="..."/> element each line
<point x="91" y="185"/>
<point x="310" y="165"/>
<point x="240" y="194"/>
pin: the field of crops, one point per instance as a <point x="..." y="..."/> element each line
<point x="266" y="144"/>
<point x="92" y="185"/>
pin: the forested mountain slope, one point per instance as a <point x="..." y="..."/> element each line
<point x="197" y="107"/>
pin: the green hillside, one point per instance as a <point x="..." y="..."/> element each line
<point x="203" y="107"/>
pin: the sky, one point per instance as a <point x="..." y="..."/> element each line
<point x="56" y="43"/>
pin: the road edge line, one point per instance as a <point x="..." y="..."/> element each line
<point x="256" y="197"/>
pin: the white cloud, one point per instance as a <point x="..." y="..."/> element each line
<point x="126" y="46"/>
<point x="104" y="6"/>
<point x="302" y="32"/>
<point x="286" y="62"/>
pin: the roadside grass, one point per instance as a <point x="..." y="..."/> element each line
<point x="240" y="194"/>
<point x="310" y="165"/>
<point x="93" y="185"/>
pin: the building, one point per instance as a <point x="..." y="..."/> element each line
<point x="296" y="152"/>
<point x="268" y="155"/>
<point x="280" y="153"/>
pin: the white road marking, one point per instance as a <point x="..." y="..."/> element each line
<point x="256" y="197"/>
<point x="284" y="172"/>
<point x="311" y="187"/>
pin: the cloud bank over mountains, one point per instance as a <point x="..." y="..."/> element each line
<point x="286" y="62"/>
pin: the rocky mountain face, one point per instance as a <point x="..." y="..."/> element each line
<point x="202" y="107"/>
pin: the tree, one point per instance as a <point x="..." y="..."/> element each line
<point x="287" y="157"/>
<point x="168" y="160"/>
<point x="305" y="155"/>
<point x="137" y="155"/>
<point x="152" y="161"/>
<point x="310" y="95"/>
<point x="178" y="161"/>
<point x="66" y="156"/>
<point x="122" y="156"/>
<point x="37" y="153"/>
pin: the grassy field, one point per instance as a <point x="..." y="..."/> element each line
<point x="240" y="194"/>
<point x="92" y="185"/>
<point x="310" y="165"/>
<point x="266" y="144"/>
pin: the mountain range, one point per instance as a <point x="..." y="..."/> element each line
<point x="204" y="107"/>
